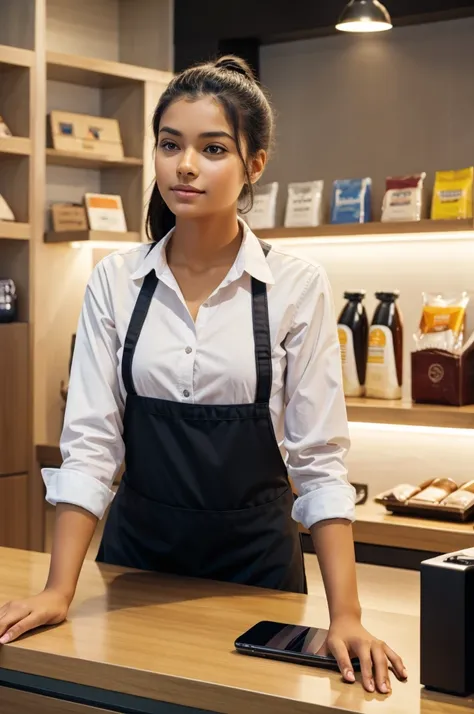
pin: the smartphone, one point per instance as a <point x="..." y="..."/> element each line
<point x="290" y="643"/>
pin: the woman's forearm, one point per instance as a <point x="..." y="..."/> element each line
<point x="334" y="545"/>
<point x="73" y="531"/>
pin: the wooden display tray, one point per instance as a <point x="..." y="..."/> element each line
<point x="432" y="511"/>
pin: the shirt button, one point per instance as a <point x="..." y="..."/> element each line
<point x="188" y="350"/>
<point x="186" y="393"/>
<point x="205" y="304"/>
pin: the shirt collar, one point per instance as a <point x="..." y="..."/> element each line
<point x="250" y="259"/>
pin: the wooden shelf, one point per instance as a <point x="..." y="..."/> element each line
<point x="377" y="411"/>
<point x="369" y="229"/>
<point x="16" y="57"/>
<point x="16" y="145"/>
<point x="14" y="230"/>
<point x="375" y="526"/>
<point x="92" y="72"/>
<point x="84" y="161"/>
<point x="109" y="236"/>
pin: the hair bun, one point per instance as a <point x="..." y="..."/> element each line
<point x="235" y="64"/>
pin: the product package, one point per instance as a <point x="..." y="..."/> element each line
<point x="385" y="357"/>
<point x="436" y="491"/>
<point x="439" y="498"/>
<point x="353" y="331"/>
<point x="105" y="212"/>
<point x="462" y="498"/>
<point x="352" y="201"/>
<point x="4" y="130"/>
<point x="304" y="204"/>
<point x="452" y="195"/>
<point x="442" y="322"/>
<point x="403" y="200"/>
<point x="263" y="212"/>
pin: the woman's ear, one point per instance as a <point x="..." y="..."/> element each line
<point x="257" y="165"/>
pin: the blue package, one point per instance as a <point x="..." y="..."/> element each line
<point x="352" y="201"/>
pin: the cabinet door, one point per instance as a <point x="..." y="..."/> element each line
<point x="14" y="512"/>
<point x="14" y="423"/>
<point x="14" y="701"/>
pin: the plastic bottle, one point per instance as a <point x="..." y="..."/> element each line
<point x="353" y="330"/>
<point x="385" y="360"/>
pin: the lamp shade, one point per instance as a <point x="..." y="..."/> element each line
<point x="364" y="16"/>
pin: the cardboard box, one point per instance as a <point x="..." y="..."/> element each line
<point x="84" y="134"/>
<point x="68" y="217"/>
<point x="439" y="377"/>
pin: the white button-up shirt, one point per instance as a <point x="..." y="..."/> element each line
<point x="210" y="361"/>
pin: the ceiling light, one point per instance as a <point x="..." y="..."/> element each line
<point x="364" y="16"/>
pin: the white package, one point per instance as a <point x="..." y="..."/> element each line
<point x="263" y="212"/>
<point x="304" y="204"/>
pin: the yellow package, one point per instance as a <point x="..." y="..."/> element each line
<point x="442" y="322"/>
<point x="452" y="195"/>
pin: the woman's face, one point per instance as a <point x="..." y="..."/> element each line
<point x="198" y="169"/>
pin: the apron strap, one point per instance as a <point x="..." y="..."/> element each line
<point x="261" y="335"/>
<point x="136" y="323"/>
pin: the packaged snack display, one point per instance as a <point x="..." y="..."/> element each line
<point x="263" y="212"/>
<point x="436" y="491"/>
<point x="304" y="204"/>
<point x="439" y="498"/>
<point x="353" y="331"/>
<point x="442" y="322"/>
<point x="403" y="200"/>
<point x="351" y="201"/>
<point x="452" y="195"/>
<point x="385" y="357"/>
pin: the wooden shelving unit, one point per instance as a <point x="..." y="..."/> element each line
<point x="369" y="229"/>
<point x="107" y="236"/>
<point x="54" y="157"/>
<point x="14" y="230"/>
<point x="15" y="145"/>
<point x="16" y="57"/>
<point x="94" y="72"/>
<point x="376" y="411"/>
<point x="109" y="58"/>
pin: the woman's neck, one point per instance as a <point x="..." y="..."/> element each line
<point x="206" y="243"/>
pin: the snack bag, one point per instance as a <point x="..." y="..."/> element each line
<point x="304" y="203"/>
<point x="263" y="211"/>
<point x="452" y="195"/>
<point x="442" y="323"/>
<point x="351" y="201"/>
<point x="403" y="200"/>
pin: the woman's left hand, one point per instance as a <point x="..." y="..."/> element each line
<point x="348" y="638"/>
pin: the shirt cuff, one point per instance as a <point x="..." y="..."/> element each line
<point x="78" y="489"/>
<point x="325" y="503"/>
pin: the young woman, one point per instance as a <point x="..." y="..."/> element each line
<point x="200" y="360"/>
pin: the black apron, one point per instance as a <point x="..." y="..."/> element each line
<point x="205" y="492"/>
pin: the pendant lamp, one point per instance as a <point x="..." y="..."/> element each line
<point x="364" y="16"/>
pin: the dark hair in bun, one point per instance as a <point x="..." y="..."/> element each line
<point x="231" y="81"/>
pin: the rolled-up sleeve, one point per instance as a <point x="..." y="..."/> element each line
<point x="91" y="442"/>
<point x="316" y="428"/>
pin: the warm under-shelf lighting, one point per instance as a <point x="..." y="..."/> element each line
<point x="386" y="238"/>
<point x="364" y="16"/>
<point x="105" y="244"/>
<point x="410" y="429"/>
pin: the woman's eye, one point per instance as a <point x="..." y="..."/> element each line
<point x="215" y="150"/>
<point x="168" y="145"/>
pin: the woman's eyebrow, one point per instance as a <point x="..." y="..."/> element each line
<point x="204" y="135"/>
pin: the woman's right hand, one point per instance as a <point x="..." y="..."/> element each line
<point x="50" y="607"/>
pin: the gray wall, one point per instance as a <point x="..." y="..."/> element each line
<point x="374" y="106"/>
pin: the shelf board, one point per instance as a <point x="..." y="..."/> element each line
<point x="108" y="236"/>
<point x="16" y="57"/>
<point x="92" y="72"/>
<point x="369" y="229"/>
<point x="14" y="230"/>
<point x="375" y="411"/>
<point x="88" y="161"/>
<point x="16" y="145"/>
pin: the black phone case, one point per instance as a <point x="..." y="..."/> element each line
<point x="293" y="657"/>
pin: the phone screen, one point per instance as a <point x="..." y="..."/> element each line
<point x="286" y="638"/>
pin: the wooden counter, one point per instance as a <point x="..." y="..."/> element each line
<point x="133" y="635"/>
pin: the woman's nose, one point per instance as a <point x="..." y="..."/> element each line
<point x="188" y="164"/>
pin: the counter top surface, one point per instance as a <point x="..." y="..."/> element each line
<point x="171" y="639"/>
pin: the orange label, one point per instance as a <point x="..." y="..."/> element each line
<point x="440" y="319"/>
<point x="377" y="338"/>
<point x="102" y="202"/>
